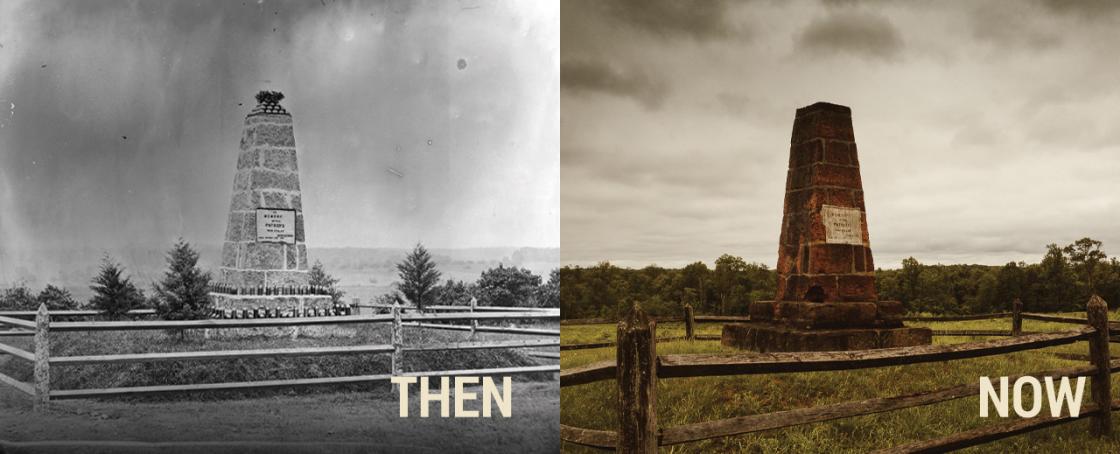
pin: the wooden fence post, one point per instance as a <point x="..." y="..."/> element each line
<point x="42" y="358"/>
<point x="637" y="383"/>
<point x="474" y="321"/>
<point x="1102" y="379"/>
<point x="689" y="322"/>
<point x="1016" y="317"/>
<point x="398" y="347"/>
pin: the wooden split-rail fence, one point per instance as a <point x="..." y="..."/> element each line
<point x="690" y="322"/>
<point x="637" y="369"/>
<point x="42" y="328"/>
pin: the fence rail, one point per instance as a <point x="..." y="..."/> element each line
<point x="42" y="327"/>
<point x="74" y="313"/>
<point x="638" y="368"/>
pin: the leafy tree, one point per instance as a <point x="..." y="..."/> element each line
<point x="508" y="287"/>
<point x="18" y="298"/>
<point x="113" y="293"/>
<point x="1056" y="285"/>
<point x="318" y="276"/>
<point x="56" y="298"/>
<point x="391" y="298"/>
<point x="418" y="276"/>
<point x="548" y="295"/>
<point x="731" y="281"/>
<point x="183" y="294"/>
<point x="1085" y="255"/>
<point x="453" y="293"/>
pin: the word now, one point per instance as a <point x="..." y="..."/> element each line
<point x="490" y="392"/>
<point x="1064" y="395"/>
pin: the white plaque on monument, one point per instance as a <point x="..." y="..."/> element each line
<point x="842" y="224"/>
<point x="276" y="226"/>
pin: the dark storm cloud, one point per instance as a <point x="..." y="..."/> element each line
<point x="1013" y="28"/>
<point x="988" y="135"/>
<point x="697" y="19"/>
<point x="585" y="76"/>
<point x="1084" y="8"/>
<point x="857" y="33"/>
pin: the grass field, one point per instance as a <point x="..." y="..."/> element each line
<point x="691" y="400"/>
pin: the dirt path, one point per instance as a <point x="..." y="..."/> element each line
<point x="338" y="422"/>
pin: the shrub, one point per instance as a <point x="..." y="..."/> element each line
<point x="114" y="294"/>
<point x="183" y="294"/>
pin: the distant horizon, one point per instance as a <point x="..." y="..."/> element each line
<point x="879" y="264"/>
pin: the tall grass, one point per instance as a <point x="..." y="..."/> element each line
<point x="691" y="400"/>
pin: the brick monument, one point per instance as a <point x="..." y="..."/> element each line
<point x="264" y="257"/>
<point x="826" y="298"/>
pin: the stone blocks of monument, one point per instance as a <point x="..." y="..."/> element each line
<point x="257" y="271"/>
<point x="826" y="297"/>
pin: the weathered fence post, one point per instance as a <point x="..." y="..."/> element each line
<point x="1102" y="378"/>
<point x="689" y="322"/>
<point x="474" y="321"/>
<point x="1016" y="317"/>
<point x="398" y="347"/>
<point x="42" y="358"/>
<point x="637" y="383"/>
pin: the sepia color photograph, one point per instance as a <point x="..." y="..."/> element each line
<point x="839" y="226"/>
<point x="279" y="226"/>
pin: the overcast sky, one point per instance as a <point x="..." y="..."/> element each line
<point x="986" y="130"/>
<point x="414" y="121"/>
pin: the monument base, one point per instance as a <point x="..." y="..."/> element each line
<point x="286" y="304"/>
<point x="771" y="337"/>
<point x="277" y="306"/>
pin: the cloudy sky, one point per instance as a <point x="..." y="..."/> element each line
<point x="986" y="130"/>
<point x="414" y="121"/>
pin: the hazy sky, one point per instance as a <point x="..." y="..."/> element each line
<point x="120" y="120"/>
<point x="986" y="130"/>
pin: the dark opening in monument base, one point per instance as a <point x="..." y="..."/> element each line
<point x="771" y="337"/>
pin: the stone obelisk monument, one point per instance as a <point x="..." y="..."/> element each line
<point x="826" y="298"/>
<point x="264" y="257"/>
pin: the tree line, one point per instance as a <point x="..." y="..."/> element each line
<point x="1062" y="281"/>
<point x="183" y="291"/>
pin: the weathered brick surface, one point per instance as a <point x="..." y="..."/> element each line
<point x="856" y="287"/>
<point x="824" y="170"/>
<point x="229" y="254"/>
<point x="299" y="228"/>
<point x="242" y="201"/>
<point x="279" y="159"/>
<point x="263" y="256"/>
<point x="273" y="199"/>
<point x="302" y="251"/>
<point x="830" y="259"/>
<point x="285" y="278"/>
<point x="835" y="175"/>
<point x="290" y="261"/>
<point x="762" y="310"/>
<point x="271" y="179"/>
<point x="270" y="134"/>
<point x="248" y="159"/>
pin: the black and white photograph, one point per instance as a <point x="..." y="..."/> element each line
<point x="279" y="226"/>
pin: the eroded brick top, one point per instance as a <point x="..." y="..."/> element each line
<point x="824" y="251"/>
